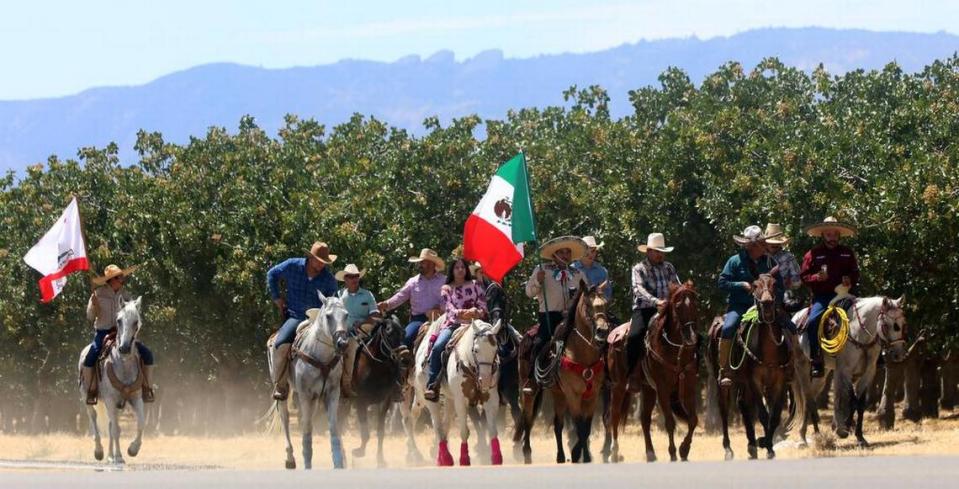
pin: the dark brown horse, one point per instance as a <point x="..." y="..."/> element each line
<point x="762" y="371"/>
<point x="667" y="376"/>
<point x="579" y="372"/>
<point x="380" y="363"/>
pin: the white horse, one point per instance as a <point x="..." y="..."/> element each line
<point x="471" y="378"/>
<point x="120" y="383"/>
<point x="876" y="325"/>
<point x="316" y="369"/>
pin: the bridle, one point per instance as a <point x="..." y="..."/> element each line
<point x="591" y="316"/>
<point x="881" y="332"/>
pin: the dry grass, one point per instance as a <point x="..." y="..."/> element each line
<point x="931" y="437"/>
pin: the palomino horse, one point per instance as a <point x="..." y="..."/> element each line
<point x="876" y="325"/>
<point x="380" y="363"/>
<point x="580" y="376"/>
<point x="120" y="380"/>
<point x="470" y="379"/>
<point x="668" y="374"/>
<point x="763" y="373"/>
<point x="316" y="369"/>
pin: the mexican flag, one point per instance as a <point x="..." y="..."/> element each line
<point x="59" y="253"/>
<point x="502" y="222"/>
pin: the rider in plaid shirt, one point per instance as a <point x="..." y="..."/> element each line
<point x="651" y="279"/>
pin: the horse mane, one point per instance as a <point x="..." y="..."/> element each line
<point x="574" y="305"/>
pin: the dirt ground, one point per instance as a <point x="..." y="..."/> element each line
<point x="266" y="451"/>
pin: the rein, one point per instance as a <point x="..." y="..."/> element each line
<point x="127" y="391"/>
<point x="880" y="335"/>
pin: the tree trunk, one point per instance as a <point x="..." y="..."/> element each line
<point x="929" y="386"/>
<point x="712" y="422"/>
<point x="949" y="371"/>
<point x="891" y="387"/>
<point x="911" y="367"/>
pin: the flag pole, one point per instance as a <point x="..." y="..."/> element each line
<point x="529" y="196"/>
<point x="83" y="234"/>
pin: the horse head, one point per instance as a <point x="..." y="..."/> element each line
<point x="128" y="325"/>
<point x="591" y="310"/>
<point x="893" y="328"/>
<point x="683" y="306"/>
<point x="764" y="295"/>
<point x="485" y="351"/>
<point x="330" y="322"/>
<point x="391" y="334"/>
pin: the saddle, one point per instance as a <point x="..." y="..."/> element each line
<point x="618" y="335"/>
<point x="451" y="345"/>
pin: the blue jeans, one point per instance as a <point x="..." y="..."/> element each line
<point x="287" y="332"/>
<point x="819" y="304"/>
<point x="412" y="328"/>
<point x="734" y="315"/>
<point x="436" y="354"/>
<point x="94" y="352"/>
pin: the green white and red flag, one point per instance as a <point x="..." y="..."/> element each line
<point x="496" y="230"/>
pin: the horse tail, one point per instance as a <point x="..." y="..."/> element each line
<point x="797" y="408"/>
<point x="269" y="419"/>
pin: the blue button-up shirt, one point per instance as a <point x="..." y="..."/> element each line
<point x="597" y="274"/>
<point x="301" y="290"/>
<point x="737" y="271"/>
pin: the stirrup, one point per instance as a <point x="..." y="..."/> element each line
<point x="280" y="393"/>
<point x="91" y="398"/>
<point x="148" y="395"/>
<point x="432" y="394"/>
<point x="725" y="381"/>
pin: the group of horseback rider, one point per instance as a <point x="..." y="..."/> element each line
<point x="464" y="293"/>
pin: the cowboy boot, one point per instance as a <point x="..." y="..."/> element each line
<point x="725" y="370"/>
<point x="346" y="380"/>
<point x="89" y="380"/>
<point x="147" y="388"/>
<point x="526" y="371"/>
<point x="281" y="362"/>
<point x="816" y="365"/>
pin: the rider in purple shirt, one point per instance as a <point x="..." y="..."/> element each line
<point x="422" y="292"/>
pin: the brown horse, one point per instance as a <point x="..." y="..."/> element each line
<point x="667" y="375"/>
<point x="762" y="373"/>
<point x="579" y="372"/>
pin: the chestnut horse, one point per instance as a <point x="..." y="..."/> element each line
<point x="668" y="374"/>
<point x="762" y="373"/>
<point x="579" y="370"/>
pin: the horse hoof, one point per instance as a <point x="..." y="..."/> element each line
<point x="496" y="455"/>
<point x="650" y="457"/>
<point x="842" y="433"/>
<point x="133" y="451"/>
<point x="729" y="455"/>
<point x="561" y="459"/>
<point x="291" y="464"/>
<point x="770" y="455"/>
<point x="381" y="463"/>
<point x="359" y="452"/>
<point x="753" y="452"/>
<point x="863" y="443"/>
<point x="98" y="454"/>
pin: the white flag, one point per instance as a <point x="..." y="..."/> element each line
<point x="59" y="253"/>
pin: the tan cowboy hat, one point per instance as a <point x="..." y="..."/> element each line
<point x="591" y="242"/>
<point x="321" y="251"/>
<point x="845" y="230"/>
<point x="655" y="241"/>
<point x="475" y="266"/>
<point x="752" y="234"/>
<point x="429" y="255"/>
<point x="576" y="245"/>
<point x="112" y="271"/>
<point x="775" y="235"/>
<point x="349" y="270"/>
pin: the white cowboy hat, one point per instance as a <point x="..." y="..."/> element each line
<point x="429" y="255"/>
<point x="655" y="241"/>
<point x="321" y="251"/>
<point x="775" y="235"/>
<point x="591" y="242"/>
<point x="752" y="234"/>
<point x="475" y="266"/>
<point x="845" y="230"/>
<point x="576" y="245"/>
<point x="350" y="269"/>
<point x="112" y="271"/>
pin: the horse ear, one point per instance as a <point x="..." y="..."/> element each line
<point x="139" y="302"/>
<point x="898" y="302"/>
<point x="474" y="327"/>
<point x="583" y="286"/>
<point x="322" y="297"/>
<point x="602" y="287"/>
<point x="497" y="326"/>
<point x="689" y="283"/>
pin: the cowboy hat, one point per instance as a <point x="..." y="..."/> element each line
<point x="655" y="241"/>
<point x="576" y="245"/>
<point x="475" y="266"/>
<point x="845" y="230"/>
<point x="591" y="242"/>
<point x="321" y="251"/>
<point x="350" y="269"/>
<point x="752" y="234"/>
<point x="429" y="255"/>
<point x="775" y="235"/>
<point x="112" y="271"/>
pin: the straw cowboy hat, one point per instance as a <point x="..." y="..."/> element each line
<point x="576" y="245"/>
<point x="112" y="271"/>
<point x="321" y="251"/>
<point x="429" y="255"/>
<point x="752" y="234"/>
<point x="845" y="230"/>
<point x="349" y="270"/>
<point x="591" y="242"/>
<point x="655" y="241"/>
<point x="775" y="235"/>
<point x="475" y="267"/>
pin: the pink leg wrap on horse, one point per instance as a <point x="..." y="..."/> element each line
<point x="496" y="456"/>
<point x="443" y="457"/>
<point x="464" y="454"/>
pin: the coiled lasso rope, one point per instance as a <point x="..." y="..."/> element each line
<point x="835" y="344"/>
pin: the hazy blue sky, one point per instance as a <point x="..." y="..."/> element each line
<point x="52" y="48"/>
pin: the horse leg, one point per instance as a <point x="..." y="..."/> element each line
<point x="410" y="412"/>
<point x="617" y="404"/>
<point x="669" y="419"/>
<point x="747" y="406"/>
<point x="862" y="393"/>
<point x="284" y="411"/>
<point x="95" y="431"/>
<point x="381" y="432"/>
<point x="479" y="424"/>
<point x="526" y="424"/>
<point x="646" y="405"/>
<point x="842" y="409"/>
<point x="692" y="420"/>
<point x="113" y="447"/>
<point x="306" y="428"/>
<point x="134" y="447"/>
<point x="336" y="443"/>
<point x="724" y="402"/>
<point x="775" y="403"/>
<point x="559" y="418"/>
<point x="362" y="418"/>
<point x="462" y="409"/>
<point x="443" y="456"/>
<point x="491" y="410"/>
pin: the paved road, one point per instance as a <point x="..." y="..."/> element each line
<point x="830" y="473"/>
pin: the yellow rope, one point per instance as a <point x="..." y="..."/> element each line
<point x="835" y="344"/>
